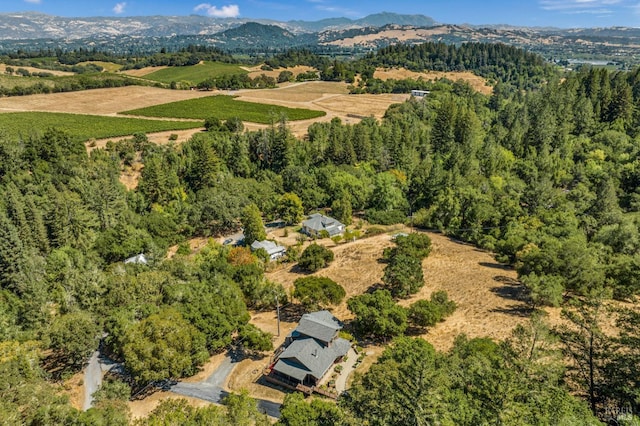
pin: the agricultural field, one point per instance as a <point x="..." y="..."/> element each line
<point x="194" y="73"/>
<point x="84" y="127"/>
<point x="225" y="107"/>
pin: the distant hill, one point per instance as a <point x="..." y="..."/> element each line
<point x="253" y="34"/>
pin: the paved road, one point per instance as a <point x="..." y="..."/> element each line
<point x="92" y="379"/>
<point x="93" y="373"/>
<point x="211" y="389"/>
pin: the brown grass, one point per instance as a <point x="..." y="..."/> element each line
<point x="484" y="290"/>
<point x="74" y="389"/>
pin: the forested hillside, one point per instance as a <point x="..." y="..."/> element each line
<point x="546" y="176"/>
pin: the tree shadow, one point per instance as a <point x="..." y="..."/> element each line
<point x="515" y="310"/>
<point x="374" y="287"/>
<point x="496" y="265"/>
<point x="295" y="269"/>
<point x="292" y="312"/>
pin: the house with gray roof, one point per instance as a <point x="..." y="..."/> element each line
<point x="311" y="350"/>
<point x="318" y="222"/>
<point x="273" y="250"/>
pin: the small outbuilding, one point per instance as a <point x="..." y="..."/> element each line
<point x="274" y="250"/>
<point x="138" y="259"/>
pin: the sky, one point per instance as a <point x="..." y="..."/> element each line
<point x="539" y="13"/>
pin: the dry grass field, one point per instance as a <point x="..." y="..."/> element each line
<point x="477" y="82"/>
<point x="485" y="291"/>
<point x="98" y="101"/>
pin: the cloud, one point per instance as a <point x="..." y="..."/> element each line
<point x="119" y="8"/>
<point x="33" y="1"/>
<point x="229" y="11"/>
<point x="579" y="6"/>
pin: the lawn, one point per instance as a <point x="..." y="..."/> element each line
<point x="194" y="73"/>
<point x="225" y="107"/>
<point x="84" y="127"/>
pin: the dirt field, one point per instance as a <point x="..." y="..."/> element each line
<point x="477" y="82"/>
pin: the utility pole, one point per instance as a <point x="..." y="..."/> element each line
<point x="278" y="313"/>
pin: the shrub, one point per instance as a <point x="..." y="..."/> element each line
<point x="315" y="257"/>
<point x="173" y="137"/>
<point x="427" y="313"/>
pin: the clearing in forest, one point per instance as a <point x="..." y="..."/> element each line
<point x="478" y="83"/>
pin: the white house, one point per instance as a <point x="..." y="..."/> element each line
<point x="318" y="222"/>
<point x="419" y="93"/>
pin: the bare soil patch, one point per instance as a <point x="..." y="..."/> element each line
<point x="478" y="83"/>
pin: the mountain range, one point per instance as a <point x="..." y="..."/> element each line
<point x="147" y="34"/>
<point x="33" y="25"/>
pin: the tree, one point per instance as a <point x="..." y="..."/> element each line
<point x="242" y="410"/>
<point x="283" y="77"/>
<point x="403" y="275"/>
<point x="378" y="315"/>
<point x="296" y="411"/>
<point x="588" y="348"/>
<point x="163" y="346"/>
<point x="402" y="388"/>
<point x="252" y="224"/>
<point x="341" y="209"/>
<point x="315" y="257"/>
<point x="290" y="208"/>
<point x="316" y="292"/>
<point x="74" y="337"/>
<point x="255" y="339"/>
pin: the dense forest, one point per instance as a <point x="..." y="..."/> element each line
<point x="544" y="173"/>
